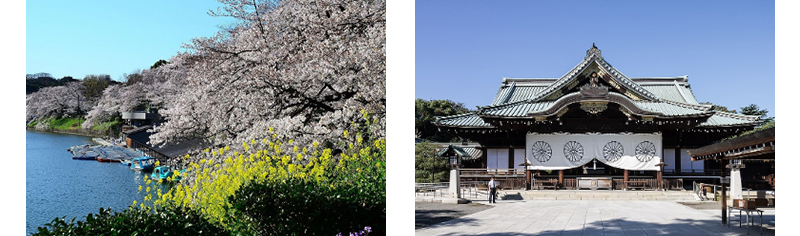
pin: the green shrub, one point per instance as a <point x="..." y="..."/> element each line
<point x="303" y="207"/>
<point x="134" y="221"/>
<point x="107" y="125"/>
<point x="64" y="123"/>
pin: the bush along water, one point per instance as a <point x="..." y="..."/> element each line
<point x="274" y="187"/>
<point x="134" y="221"/>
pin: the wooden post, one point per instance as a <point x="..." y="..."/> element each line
<point x="658" y="178"/>
<point x="625" y="180"/>
<point x="528" y="178"/>
<point x="724" y="199"/>
<point x="678" y="160"/>
<point x="560" y="177"/>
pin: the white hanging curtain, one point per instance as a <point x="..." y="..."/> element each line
<point x="566" y="151"/>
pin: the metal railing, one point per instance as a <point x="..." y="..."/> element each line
<point x="469" y="189"/>
<point x="747" y="193"/>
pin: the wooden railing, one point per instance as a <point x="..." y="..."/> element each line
<point x="692" y="172"/>
<point x="483" y="172"/>
<point x="617" y="183"/>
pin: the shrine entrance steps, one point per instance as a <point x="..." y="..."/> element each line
<point x="618" y="195"/>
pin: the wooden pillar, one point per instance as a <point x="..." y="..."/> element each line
<point x="484" y="157"/>
<point x="677" y="160"/>
<point x="528" y="179"/>
<point x="724" y="199"/>
<point x="625" y="180"/>
<point x="678" y="152"/>
<point x="511" y="158"/>
<point x="560" y="177"/>
<point x="659" y="179"/>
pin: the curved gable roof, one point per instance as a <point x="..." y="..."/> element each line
<point x="594" y="58"/>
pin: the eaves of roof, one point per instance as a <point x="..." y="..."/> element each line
<point x="722" y="119"/>
<point x="743" y="143"/>
<point x="663" y="109"/>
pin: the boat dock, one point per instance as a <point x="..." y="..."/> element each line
<point x="103" y="153"/>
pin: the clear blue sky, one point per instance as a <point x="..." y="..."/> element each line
<point x="727" y="48"/>
<point x="77" y="38"/>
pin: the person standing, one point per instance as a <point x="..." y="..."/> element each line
<point x="492" y="191"/>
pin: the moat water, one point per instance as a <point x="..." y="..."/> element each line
<point x="58" y="186"/>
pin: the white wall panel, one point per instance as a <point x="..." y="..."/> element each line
<point x="519" y="158"/>
<point x="669" y="158"/>
<point x="491" y="158"/>
<point x="502" y="158"/>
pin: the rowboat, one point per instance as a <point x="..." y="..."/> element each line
<point x="144" y="163"/>
<point x="164" y="172"/>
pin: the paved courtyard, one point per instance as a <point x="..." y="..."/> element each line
<point x="590" y="217"/>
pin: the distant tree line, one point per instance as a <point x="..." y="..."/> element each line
<point x="424" y="116"/>
<point x="37" y="81"/>
<point x="95" y="83"/>
<point x="751" y="110"/>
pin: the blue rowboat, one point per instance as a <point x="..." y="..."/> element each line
<point x="144" y="163"/>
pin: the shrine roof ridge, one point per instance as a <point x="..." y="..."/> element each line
<point x="547" y="81"/>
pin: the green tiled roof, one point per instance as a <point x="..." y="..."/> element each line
<point x="663" y="108"/>
<point x="466" y="120"/>
<point x="672" y="93"/>
<point x="518" y="109"/>
<point x="458" y="150"/>
<point x="475" y="153"/>
<point x="725" y="119"/>
<point x="516" y="93"/>
<point x="663" y="88"/>
<point x="667" y="109"/>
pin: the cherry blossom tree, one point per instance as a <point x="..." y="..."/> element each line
<point x="150" y="89"/>
<point x="305" y="68"/>
<point x="57" y="101"/>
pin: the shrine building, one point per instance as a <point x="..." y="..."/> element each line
<point x="596" y="124"/>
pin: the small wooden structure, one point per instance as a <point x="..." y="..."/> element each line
<point x="756" y="146"/>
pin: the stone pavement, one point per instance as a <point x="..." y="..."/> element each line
<point x="593" y="217"/>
